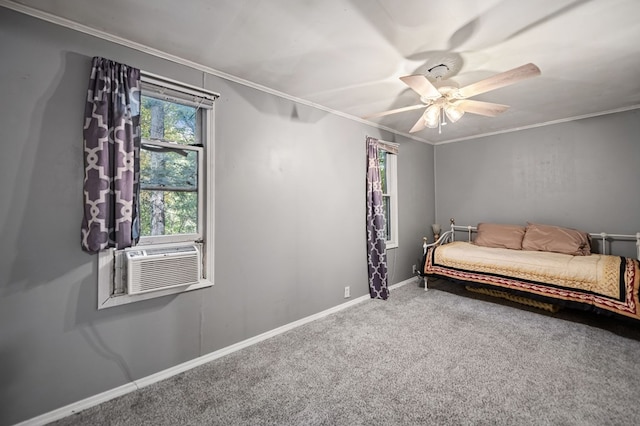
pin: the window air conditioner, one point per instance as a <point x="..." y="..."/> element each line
<point x="154" y="269"/>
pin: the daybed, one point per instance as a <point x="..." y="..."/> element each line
<point x="538" y="263"/>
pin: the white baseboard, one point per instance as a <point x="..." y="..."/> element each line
<point x="403" y="283"/>
<point x="92" y="401"/>
<point x="78" y="406"/>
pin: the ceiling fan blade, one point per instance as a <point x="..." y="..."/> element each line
<point x="394" y="111"/>
<point x="500" y="80"/>
<point x="487" y="109"/>
<point x="420" y="124"/>
<point x="421" y="86"/>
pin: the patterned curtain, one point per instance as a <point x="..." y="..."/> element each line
<point x="376" y="244"/>
<point x="111" y="157"/>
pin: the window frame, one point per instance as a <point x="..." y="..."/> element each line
<point x="176" y="238"/>
<point x="109" y="274"/>
<point x="391" y="178"/>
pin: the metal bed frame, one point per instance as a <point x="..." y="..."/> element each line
<point x="449" y="236"/>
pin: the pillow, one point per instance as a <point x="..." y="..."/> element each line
<point x="556" y="239"/>
<point x="498" y="235"/>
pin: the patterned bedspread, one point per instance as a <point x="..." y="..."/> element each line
<point x="599" y="282"/>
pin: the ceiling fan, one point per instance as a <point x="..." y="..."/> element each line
<point x="444" y="98"/>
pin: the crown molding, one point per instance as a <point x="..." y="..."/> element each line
<point x="543" y="124"/>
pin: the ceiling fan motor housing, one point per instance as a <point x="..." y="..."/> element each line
<point x="447" y="88"/>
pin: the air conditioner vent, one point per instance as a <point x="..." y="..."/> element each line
<point x="160" y="268"/>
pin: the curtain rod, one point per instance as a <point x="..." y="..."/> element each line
<point x="394" y="144"/>
<point x="390" y="147"/>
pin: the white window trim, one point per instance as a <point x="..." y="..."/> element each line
<point x="392" y="192"/>
<point x="106" y="258"/>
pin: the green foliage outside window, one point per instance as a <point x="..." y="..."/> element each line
<point x="386" y="199"/>
<point x="168" y="176"/>
<point x="382" y="165"/>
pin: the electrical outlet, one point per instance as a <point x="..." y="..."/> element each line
<point x="414" y="270"/>
<point x="347" y="292"/>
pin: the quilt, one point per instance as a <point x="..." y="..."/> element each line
<point x="602" y="283"/>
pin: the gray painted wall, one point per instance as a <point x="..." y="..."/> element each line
<point x="582" y="174"/>
<point x="289" y="225"/>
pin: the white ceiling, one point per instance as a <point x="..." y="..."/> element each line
<point x="347" y="55"/>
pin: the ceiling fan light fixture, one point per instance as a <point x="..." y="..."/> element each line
<point x="432" y="116"/>
<point x="453" y="113"/>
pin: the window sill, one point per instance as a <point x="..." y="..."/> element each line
<point x="124" y="299"/>
<point x="392" y="245"/>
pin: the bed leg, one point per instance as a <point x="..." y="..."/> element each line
<point x="426" y="283"/>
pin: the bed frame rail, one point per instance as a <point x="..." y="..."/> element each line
<point x="605" y="238"/>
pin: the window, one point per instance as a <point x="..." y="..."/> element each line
<point x="388" y="175"/>
<point x="171" y="169"/>
<point x="176" y="187"/>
